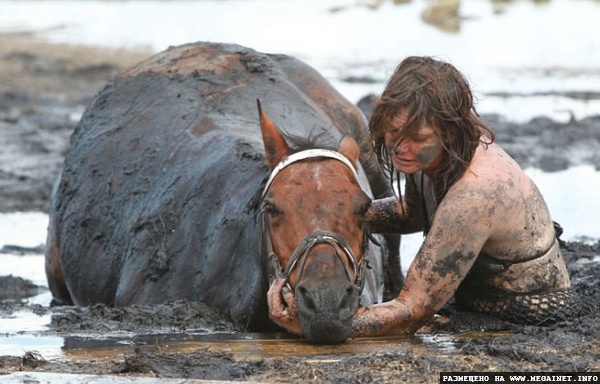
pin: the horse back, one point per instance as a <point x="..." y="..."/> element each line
<point x="158" y="197"/>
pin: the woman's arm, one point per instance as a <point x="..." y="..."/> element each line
<point x="389" y="215"/>
<point x="461" y="227"/>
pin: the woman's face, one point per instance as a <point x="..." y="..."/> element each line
<point x="420" y="151"/>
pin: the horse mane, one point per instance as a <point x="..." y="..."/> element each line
<point x="314" y="140"/>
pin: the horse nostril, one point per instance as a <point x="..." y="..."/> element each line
<point x="306" y="298"/>
<point x="348" y="302"/>
<point x="346" y="298"/>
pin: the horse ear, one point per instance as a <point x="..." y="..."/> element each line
<point x="275" y="146"/>
<point x="350" y="150"/>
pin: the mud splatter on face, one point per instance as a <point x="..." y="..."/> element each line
<point x="428" y="154"/>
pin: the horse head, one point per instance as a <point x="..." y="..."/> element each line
<point x="314" y="230"/>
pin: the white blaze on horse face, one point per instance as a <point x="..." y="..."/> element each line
<point x="317" y="178"/>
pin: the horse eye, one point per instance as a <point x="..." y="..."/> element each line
<point x="270" y="209"/>
<point x="364" y="209"/>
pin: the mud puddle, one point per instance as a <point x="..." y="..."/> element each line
<point x="251" y="346"/>
<point x="26" y="331"/>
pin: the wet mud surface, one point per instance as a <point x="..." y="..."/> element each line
<point x="44" y="90"/>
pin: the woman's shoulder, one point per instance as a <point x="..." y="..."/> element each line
<point x="493" y="178"/>
<point x="491" y="166"/>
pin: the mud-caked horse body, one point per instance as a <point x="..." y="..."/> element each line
<point x="161" y="194"/>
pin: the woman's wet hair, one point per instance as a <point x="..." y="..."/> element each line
<point x="436" y="94"/>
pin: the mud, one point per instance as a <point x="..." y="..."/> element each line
<point x="44" y="90"/>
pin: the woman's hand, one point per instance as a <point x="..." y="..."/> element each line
<point x="284" y="314"/>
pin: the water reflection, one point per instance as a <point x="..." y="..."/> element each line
<point x="242" y="346"/>
<point x="255" y="346"/>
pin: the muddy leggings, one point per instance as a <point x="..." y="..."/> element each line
<point x="520" y="308"/>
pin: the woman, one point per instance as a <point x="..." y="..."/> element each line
<point x="490" y="240"/>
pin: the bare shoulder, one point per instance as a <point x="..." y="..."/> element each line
<point x="492" y="194"/>
<point x="495" y="175"/>
<point x="514" y="206"/>
<point x="481" y="200"/>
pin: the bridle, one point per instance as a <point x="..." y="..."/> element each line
<point x="300" y="254"/>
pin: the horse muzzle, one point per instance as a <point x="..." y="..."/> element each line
<point x="326" y="301"/>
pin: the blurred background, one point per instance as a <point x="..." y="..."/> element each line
<point x="524" y="58"/>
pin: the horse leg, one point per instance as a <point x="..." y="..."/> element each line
<point x="54" y="274"/>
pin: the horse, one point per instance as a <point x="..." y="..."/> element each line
<point x="178" y="185"/>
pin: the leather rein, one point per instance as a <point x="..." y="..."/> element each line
<point x="300" y="254"/>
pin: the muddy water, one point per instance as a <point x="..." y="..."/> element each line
<point x="28" y="332"/>
<point x="29" y="329"/>
<point x="25" y="331"/>
<point x="241" y="346"/>
<point x="259" y="346"/>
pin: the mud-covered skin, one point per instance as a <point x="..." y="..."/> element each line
<point x="386" y="216"/>
<point x="485" y="288"/>
<point x="389" y="216"/>
<point x="544" y="270"/>
<point x="422" y="150"/>
<point x="496" y="210"/>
